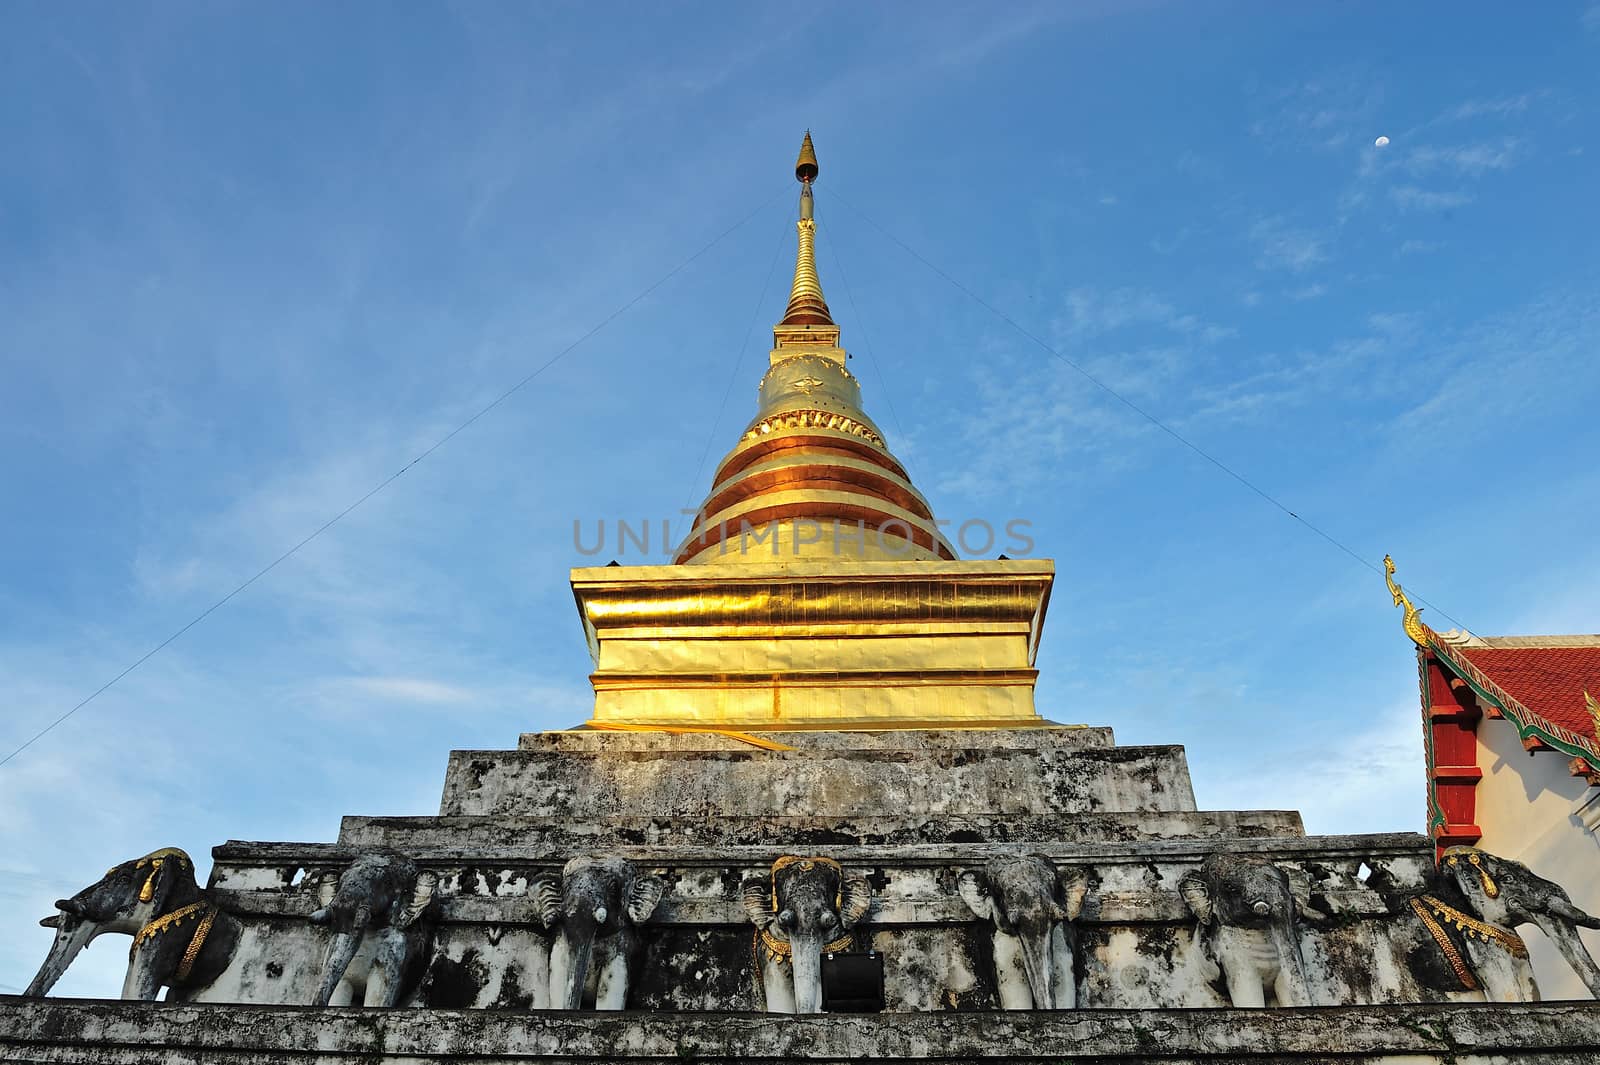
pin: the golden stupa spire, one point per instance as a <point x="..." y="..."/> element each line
<point x="806" y="305"/>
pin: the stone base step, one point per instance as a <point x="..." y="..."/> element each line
<point x="1048" y="736"/>
<point x="102" y="1033"/>
<point x="817" y="783"/>
<point x="558" y="835"/>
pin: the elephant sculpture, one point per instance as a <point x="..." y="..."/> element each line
<point x="1247" y="929"/>
<point x="1032" y="905"/>
<point x="373" y="907"/>
<point x="1457" y="932"/>
<point x="598" y="906"/>
<point x="181" y="939"/>
<point x="1507" y="893"/>
<point x="801" y="908"/>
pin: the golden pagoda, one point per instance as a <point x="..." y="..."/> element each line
<point x="816" y="589"/>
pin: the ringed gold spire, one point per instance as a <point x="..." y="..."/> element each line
<point x="806" y="305"/>
<point x="816" y="589"/>
<point x="811" y="476"/>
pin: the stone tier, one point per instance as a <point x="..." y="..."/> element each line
<point x="828" y="783"/>
<point x="1135" y="936"/>
<point x="34" y="1032"/>
<point x="1049" y="735"/>
<point x="526" y="834"/>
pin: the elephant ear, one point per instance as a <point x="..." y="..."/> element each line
<point x="421" y="896"/>
<point x="855" y="899"/>
<point x="1074" y="885"/>
<point x="1197" y="896"/>
<point x="326" y="886"/>
<point x="974" y="889"/>
<point x="756" y="894"/>
<point x="643" y="896"/>
<point x="547" y="901"/>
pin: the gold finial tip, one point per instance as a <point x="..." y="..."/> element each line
<point x="805" y="168"/>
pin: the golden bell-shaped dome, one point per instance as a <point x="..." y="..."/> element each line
<point x="811" y="476"/>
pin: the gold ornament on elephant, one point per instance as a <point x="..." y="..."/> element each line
<point x="154" y="860"/>
<point x="779" y="948"/>
<point x="208" y="916"/>
<point x="1430" y="911"/>
<point x="1490" y="888"/>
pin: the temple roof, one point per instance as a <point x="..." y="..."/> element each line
<point x="1543" y="686"/>
<point x="1550" y="676"/>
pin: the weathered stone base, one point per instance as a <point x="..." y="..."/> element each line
<point x="102" y="1033"/>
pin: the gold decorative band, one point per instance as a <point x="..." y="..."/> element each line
<point x="780" y="949"/>
<point x="208" y="916"/>
<point x="193" y="950"/>
<point x="1447" y="948"/>
<point x="1429" y="910"/>
<point x="811" y="419"/>
<point x="166" y="921"/>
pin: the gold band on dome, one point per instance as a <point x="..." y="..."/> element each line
<point x="811" y="419"/>
<point x="823" y="444"/>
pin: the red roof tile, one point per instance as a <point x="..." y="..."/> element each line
<point x="1550" y="681"/>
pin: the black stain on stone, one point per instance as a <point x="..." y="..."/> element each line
<point x="683" y="968"/>
<point x="1158" y="943"/>
<point x="512" y="996"/>
<point x="452" y="984"/>
<point x="274" y="970"/>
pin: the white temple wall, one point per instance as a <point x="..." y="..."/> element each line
<point x="1532" y="809"/>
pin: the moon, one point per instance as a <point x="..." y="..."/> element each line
<point x="1381" y="142"/>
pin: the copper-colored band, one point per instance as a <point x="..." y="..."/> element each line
<point x="823" y="477"/>
<point x="771" y="445"/>
<point x="820" y="512"/>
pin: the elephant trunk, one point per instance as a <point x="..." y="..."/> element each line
<point x="73" y="933"/>
<point x="806" y="961"/>
<point x="346" y="941"/>
<point x="1572" y="948"/>
<point x="570" y="957"/>
<point x="1039" y="965"/>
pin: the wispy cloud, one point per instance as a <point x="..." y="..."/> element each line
<point x="402" y="689"/>
<point x="1413" y="198"/>
<point x="1419" y="247"/>
<point x="1326" y="113"/>
<point x="1094" y="312"/>
<point x="1496" y="107"/>
<point x="1369" y="781"/>
<point x="1469" y="159"/>
<point x="1280" y="246"/>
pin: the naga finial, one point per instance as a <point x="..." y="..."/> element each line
<point x="1420" y="633"/>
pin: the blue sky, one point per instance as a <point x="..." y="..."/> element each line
<point x="255" y="258"/>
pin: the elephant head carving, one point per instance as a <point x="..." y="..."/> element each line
<point x="1032" y="905"/>
<point x="374" y="907"/>
<point x="181" y="939"/>
<point x="1501" y="894"/>
<point x="1247" y="927"/>
<point x="596" y="909"/>
<point x="801" y="908"/>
